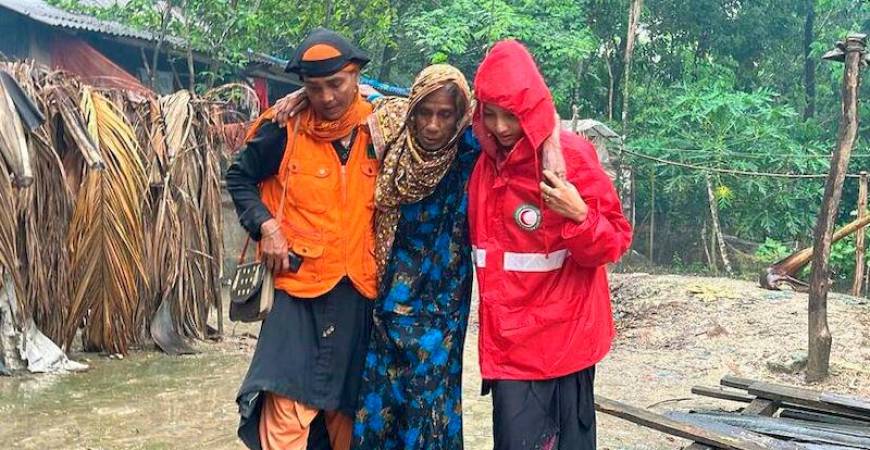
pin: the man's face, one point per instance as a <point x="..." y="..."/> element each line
<point x="434" y="119"/>
<point x="503" y="125"/>
<point x="331" y="96"/>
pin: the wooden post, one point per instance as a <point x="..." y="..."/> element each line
<point x="652" y="217"/>
<point x="857" y="286"/>
<point x="819" y="342"/>
<point x="575" y="117"/>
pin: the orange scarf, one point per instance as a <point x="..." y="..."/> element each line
<point x="329" y="131"/>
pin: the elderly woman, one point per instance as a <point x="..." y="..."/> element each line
<point x="541" y="243"/>
<point x="411" y="397"/>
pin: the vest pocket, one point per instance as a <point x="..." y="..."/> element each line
<point x="311" y="186"/>
<point x="310" y="253"/>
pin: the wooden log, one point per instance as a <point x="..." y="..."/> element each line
<point x="858" y="283"/>
<point x="673" y="427"/>
<point x="819" y="335"/>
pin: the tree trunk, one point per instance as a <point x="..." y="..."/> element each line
<point x="717" y="228"/>
<point x="818" y="360"/>
<point x="386" y="64"/>
<point x="710" y="262"/>
<point x="164" y="26"/>
<point x="327" y="20"/>
<point x="611" y="83"/>
<point x="809" y="62"/>
<point x="857" y="285"/>
<point x="633" y="18"/>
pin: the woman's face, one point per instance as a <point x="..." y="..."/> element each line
<point x="503" y="125"/>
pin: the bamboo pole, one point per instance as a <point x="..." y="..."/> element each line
<point x="857" y="286"/>
<point x="819" y="335"/>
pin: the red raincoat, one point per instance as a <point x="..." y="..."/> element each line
<point x="544" y="297"/>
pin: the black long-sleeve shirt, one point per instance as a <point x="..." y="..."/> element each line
<point x="259" y="159"/>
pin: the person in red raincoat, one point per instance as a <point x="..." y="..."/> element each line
<point x="541" y="242"/>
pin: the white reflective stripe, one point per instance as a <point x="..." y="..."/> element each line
<point x="534" y="262"/>
<point x="478" y="255"/>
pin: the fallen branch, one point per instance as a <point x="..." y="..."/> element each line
<point x="785" y="270"/>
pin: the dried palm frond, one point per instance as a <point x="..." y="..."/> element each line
<point x="106" y="236"/>
<point x="187" y="225"/>
<point x="177" y="120"/>
<point x="13" y="143"/>
<point x="45" y="210"/>
<point x="8" y="233"/>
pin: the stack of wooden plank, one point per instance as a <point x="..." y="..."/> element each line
<point x="774" y="417"/>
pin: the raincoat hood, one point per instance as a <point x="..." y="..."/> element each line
<point x="509" y="78"/>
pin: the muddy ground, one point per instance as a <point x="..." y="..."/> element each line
<point x="674" y="332"/>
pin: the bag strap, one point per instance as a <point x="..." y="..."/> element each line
<point x="283" y="193"/>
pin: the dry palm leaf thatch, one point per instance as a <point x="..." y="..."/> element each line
<point x="45" y="210"/>
<point x="13" y="143"/>
<point x="9" y="269"/>
<point x="106" y="236"/>
<point x="210" y="201"/>
<point x="186" y="221"/>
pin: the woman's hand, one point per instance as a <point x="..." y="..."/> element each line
<point x="289" y="106"/>
<point x="551" y="151"/>
<point x="274" y="247"/>
<point x="562" y="197"/>
<point x="367" y="91"/>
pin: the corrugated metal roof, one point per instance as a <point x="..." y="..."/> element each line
<point x="42" y="12"/>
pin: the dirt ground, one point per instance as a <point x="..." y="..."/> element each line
<point x="674" y="332"/>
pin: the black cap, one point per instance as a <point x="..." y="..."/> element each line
<point x="323" y="53"/>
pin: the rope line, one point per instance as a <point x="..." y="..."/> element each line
<point x="732" y="171"/>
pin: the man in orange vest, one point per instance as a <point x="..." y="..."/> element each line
<point x="305" y="192"/>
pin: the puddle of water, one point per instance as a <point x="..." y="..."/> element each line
<point x="147" y="400"/>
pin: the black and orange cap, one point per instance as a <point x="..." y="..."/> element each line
<point x="323" y="53"/>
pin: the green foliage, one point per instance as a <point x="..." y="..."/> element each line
<point x="710" y="124"/>
<point x="771" y="251"/>
<point x="715" y="83"/>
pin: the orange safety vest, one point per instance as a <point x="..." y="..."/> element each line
<point x="328" y="214"/>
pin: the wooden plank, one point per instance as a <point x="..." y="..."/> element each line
<point x="792" y="429"/>
<point x="736" y="382"/>
<point x="761" y="407"/>
<point x="680" y="429"/>
<point x="722" y="394"/>
<point x="811" y="416"/>
<point x="848" y="401"/>
<point x="804" y="397"/>
<point x="712" y="424"/>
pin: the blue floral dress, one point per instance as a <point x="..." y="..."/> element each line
<point x="412" y="382"/>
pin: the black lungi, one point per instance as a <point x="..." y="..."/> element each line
<point x="309" y="350"/>
<point x="556" y="414"/>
